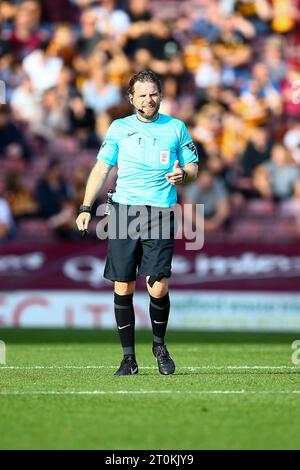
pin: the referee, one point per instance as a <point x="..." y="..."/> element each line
<point x="154" y="153"/>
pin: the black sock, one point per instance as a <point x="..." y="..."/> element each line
<point x="159" y="314"/>
<point x="125" y="320"/>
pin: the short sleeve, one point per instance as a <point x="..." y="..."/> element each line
<point x="109" y="149"/>
<point x="187" y="149"/>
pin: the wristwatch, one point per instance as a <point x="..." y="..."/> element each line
<point x="84" y="208"/>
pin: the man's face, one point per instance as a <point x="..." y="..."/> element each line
<point x="146" y="99"/>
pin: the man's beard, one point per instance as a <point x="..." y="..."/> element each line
<point x="155" y="110"/>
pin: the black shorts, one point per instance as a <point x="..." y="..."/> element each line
<point x="141" y="253"/>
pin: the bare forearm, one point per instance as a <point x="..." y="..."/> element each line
<point x="191" y="172"/>
<point x="95" y="183"/>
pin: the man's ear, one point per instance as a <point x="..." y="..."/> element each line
<point x="130" y="99"/>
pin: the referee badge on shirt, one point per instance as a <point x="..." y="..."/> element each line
<point x="164" y="157"/>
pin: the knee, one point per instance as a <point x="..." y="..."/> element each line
<point x="159" y="288"/>
<point x="124" y="288"/>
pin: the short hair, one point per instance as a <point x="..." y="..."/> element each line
<point x="143" y="76"/>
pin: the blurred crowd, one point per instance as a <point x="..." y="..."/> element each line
<point x="230" y="69"/>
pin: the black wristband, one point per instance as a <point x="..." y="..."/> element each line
<point x="84" y="208"/>
<point x="184" y="176"/>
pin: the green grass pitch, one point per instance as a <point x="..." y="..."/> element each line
<point x="230" y="391"/>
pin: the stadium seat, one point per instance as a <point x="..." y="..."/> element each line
<point x="259" y="208"/>
<point x="34" y="230"/>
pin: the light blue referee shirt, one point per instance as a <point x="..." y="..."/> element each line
<point x="144" y="153"/>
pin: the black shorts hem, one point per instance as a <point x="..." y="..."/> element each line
<point x="168" y="275"/>
<point x="111" y="278"/>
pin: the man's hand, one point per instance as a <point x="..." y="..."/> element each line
<point x="83" y="221"/>
<point x="177" y="176"/>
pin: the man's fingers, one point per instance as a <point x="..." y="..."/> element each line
<point x="82" y="222"/>
<point x="177" y="179"/>
<point x="176" y="172"/>
<point x="174" y="175"/>
<point x="80" y="226"/>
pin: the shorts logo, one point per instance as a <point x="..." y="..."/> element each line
<point x="164" y="157"/>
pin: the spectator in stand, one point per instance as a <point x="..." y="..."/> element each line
<point x="139" y="29"/>
<point x="82" y="122"/>
<point x="63" y="223"/>
<point x="112" y="22"/>
<point x="232" y="47"/>
<point x="98" y="93"/>
<point x="88" y="37"/>
<point x="42" y="68"/>
<point x="138" y="11"/>
<point x="290" y="92"/>
<point x="25" y="104"/>
<point x="258" y="12"/>
<point x="209" y="70"/>
<point x="54" y="119"/>
<point x="26" y="36"/>
<point x="207" y="23"/>
<point x="54" y="197"/>
<point x="66" y="84"/>
<point x="267" y="91"/>
<point x="19" y="198"/>
<point x="212" y="194"/>
<point x="251" y="107"/>
<point x="275" y="179"/>
<point x="207" y="129"/>
<point x="150" y="41"/>
<point x="52" y="190"/>
<point x="7" y="226"/>
<point x="10" y="133"/>
<point x="291" y="140"/>
<point x="273" y="58"/>
<point x="174" y="103"/>
<point x="7" y="12"/>
<point x="258" y="151"/>
<point x="10" y="70"/>
<point x="62" y="44"/>
<point x="117" y="65"/>
<point x="233" y="140"/>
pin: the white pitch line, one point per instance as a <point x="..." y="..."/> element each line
<point x="149" y="392"/>
<point x="179" y="348"/>
<point x="229" y="367"/>
<point x="243" y="367"/>
<point x="56" y="367"/>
